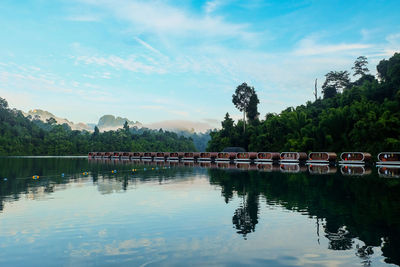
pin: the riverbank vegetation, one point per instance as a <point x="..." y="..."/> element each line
<point x="360" y="115"/>
<point x="20" y="135"/>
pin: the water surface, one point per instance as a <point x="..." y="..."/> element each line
<point x="158" y="215"/>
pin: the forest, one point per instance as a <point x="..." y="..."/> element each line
<point x="20" y="135"/>
<point x="363" y="115"/>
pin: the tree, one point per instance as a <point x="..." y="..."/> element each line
<point x="227" y="126"/>
<point x="96" y="131"/>
<point x="126" y="126"/>
<point x="3" y="103"/>
<point x="329" y="92"/>
<point x="337" y="79"/>
<point x="51" y="121"/>
<point x="252" y="111"/>
<point x="241" y="99"/>
<point x="360" y="66"/>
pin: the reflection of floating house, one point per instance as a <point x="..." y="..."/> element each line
<point x="292" y="168"/>
<point x="293" y="156"/>
<point x="148" y="155"/>
<point x="321" y="157"/>
<point x="225" y="165"/>
<point x="191" y="155"/>
<point x="190" y="163"/>
<point x="268" y="156"/>
<point x="267" y="167"/>
<point x="354" y="170"/>
<point x="207" y="156"/>
<point x="246" y="156"/>
<point x="226" y="156"/>
<point x="246" y="166"/>
<point x="161" y="156"/>
<point x="321" y="169"/>
<point x="176" y="155"/>
<point x="389" y="171"/>
<point x="388" y="158"/>
<point x="207" y="164"/>
<point x="354" y="157"/>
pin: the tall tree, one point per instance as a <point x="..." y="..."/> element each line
<point x="252" y="111"/>
<point x="227" y="126"/>
<point x="329" y="92"/>
<point x="337" y="79"/>
<point x="126" y="126"/>
<point x="360" y="66"/>
<point x="3" y="103"/>
<point x="241" y="99"/>
<point x="96" y="131"/>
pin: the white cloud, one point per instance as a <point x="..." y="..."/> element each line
<point x="84" y="18"/>
<point x="159" y="18"/>
<point x="130" y="63"/>
<point x="309" y="47"/>
<point x="148" y="46"/>
<point x="211" y="6"/>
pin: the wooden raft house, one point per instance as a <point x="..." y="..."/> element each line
<point x="294" y="157"/>
<point x="354" y="158"/>
<point x="148" y="155"/>
<point x="268" y="156"/>
<point x="161" y="156"/>
<point x="176" y="155"/>
<point x="108" y="155"/>
<point x="246" y="156"/>
<point x="208" y="156"/>
<point x="226" y="156"/>
<point x="191" y="156"/>
<point x="137" y="155"/>
<point x="388" y="158"/>
<point x="322" y="157"/>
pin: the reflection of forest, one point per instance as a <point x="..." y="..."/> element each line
<point x="345" y="207"/>
<point x="365" y="208"/>
<point x="16" y="175"/>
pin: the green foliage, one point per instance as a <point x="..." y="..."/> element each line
<point x="337" y="79"/>
<point x="360" y="66"/>
<point x="252" y="111"/>
<point x="365" y="116"/>
<point x="245" y="99"/>
<point x="21" y="136"/>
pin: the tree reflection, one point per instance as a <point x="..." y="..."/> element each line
<point x="366" y="208"/>
<point x="245" y="217"/>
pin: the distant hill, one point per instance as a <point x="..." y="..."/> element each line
<point x="45" y="115"/>
<point x="197" y="131"/>
<point x="109" y="122"/>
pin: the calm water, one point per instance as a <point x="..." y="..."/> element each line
<point x="189" y="215"/>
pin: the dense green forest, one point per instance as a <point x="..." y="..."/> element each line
<point x="363" y="115"/>
<point x="26" y="136"/>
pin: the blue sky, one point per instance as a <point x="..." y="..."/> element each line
<point x="181" y="60"/>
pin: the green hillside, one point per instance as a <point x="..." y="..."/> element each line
<point x="358" y="116"/>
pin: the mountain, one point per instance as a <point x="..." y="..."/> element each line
<point x="184" y="125"/>
<point x="45" y="115"/>
<point x="109" y="122"/>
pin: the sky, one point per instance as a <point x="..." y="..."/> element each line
<point x="181" y="60"/>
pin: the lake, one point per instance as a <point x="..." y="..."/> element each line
<point x="82" y="212"/>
